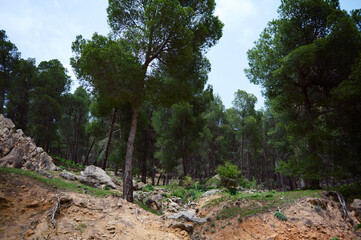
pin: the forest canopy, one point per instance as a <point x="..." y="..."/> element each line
<point x="144" y="106"/>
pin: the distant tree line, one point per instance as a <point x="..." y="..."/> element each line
<point x="144" y="106"/>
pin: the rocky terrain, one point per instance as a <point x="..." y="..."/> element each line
<point x="31" y="209"/>
<point x="19" y="151"/>
<point x="43" y="202"/>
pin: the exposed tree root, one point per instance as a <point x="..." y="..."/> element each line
<point x="52" y="215"/>
<point x="344" y="208"/>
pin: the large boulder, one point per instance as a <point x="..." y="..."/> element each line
<point x="98" y="174"/>
<point x="19" y="151"/>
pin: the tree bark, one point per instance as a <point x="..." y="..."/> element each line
<point x="109" y="139"/>
<point x="144" y="164"/>
<point x="88" y="153"/>
<point x="127" y="182"/>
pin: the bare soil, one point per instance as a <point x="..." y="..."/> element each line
<point x="26" y="206"/>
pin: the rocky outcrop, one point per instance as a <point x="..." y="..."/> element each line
<point x="92" y="173"/>
<point x="19" y="151"/>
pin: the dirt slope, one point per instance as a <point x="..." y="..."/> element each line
<point x="25" y="205"/>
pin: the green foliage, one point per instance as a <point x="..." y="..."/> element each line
<point x="335" y="238"/>
<point x="188" y="182"/>
<point x="212" y="183"/>
<point x="280" y="216"/>
<point x="148" y="188"/>
<point x="349" y="191"/>
<point x="358" y="227"/>
<point x="106" y="188"/>
<point x="229" y="174"/>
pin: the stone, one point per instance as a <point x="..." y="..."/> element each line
<point x="99" y="175"/>
<point x="210" y="192"/>
<point x="89" y="182"/>
<point x="45" y="173"/>
<point x="68" y="176"/>
<point x="19" y="151"/>
<point x="188" y="216"/>
<point x="356" y="204"/>
<point x="116" y="181"/>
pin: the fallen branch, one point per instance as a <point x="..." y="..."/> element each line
<point x="53" y="211"/>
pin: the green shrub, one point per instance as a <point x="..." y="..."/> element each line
<point x="106" y="188"/>
<point x="212" y="183"/>
<point x="358" y="227"/>
<point x="188" y="182"/>
<point x="335" y="238"/>
<point x="280" y="216"/>
<point x="229" y="174"/>
<point x="148" y="188"/>
<point x="350" y="191"/>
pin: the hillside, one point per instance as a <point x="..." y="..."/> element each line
<point x="27" y="204"/>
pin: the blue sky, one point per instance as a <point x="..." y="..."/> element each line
<point x="45" y="29"/>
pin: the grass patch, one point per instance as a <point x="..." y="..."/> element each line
<point x="187" y="194"/>
<point x="257" y="202"/>
<point x="59" y="183"/>
<point x="140" y="204"/>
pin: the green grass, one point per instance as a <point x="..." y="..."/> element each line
<point x="140" y="204"/>
<point x="59" y="183"/>
<point x="257" y="202"/>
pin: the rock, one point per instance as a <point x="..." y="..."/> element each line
<point x="68" y="176"/>
<point x="188" y="216"/>
<point x="138" y="185"/>
<point x="210" y="192"/>
<point x="152" y="204"/>
<point x="89" y="182"/>
<point x="45" y="173"/>
<point x="356" y="204"/>
<point x="65" y="199"/>
<point x="116" y="181"/>
<point x="99" y="175"/>
<point x="34" y="204"/>
<point x="19" y="151"/>
<point x="157" y="197"/>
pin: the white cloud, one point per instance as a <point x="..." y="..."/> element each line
<point x="234" y="12"/>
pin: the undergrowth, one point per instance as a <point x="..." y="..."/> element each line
<point x="253" y="203"/>
<point x="59" y="183"/>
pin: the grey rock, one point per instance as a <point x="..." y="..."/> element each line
<point x="356" y="204"/>
<point x="188" y="216"/>
<point x="68" y="176"/>
<point x="99" y="175"/>
<point x="210" y="192"/>
<point x="45" y="173"/>
<point x="19" y="151"/>
<point x="89" y="182"/>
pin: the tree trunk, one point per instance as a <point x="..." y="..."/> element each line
<point x="109" y="139"/>
<point x="144" y="164"/>
<point x="127" y="182"/>
<point x="88" y="153"/>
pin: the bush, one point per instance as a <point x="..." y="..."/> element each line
<point x="212" y="183"/>
<point x="280" y="216"/>
<point x="148" y="188"/>
<point x="188" y="182"/>
<point x="229" y="174"/>
<point x="106" y="188"/>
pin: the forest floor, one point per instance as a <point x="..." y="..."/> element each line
<point x="27" y="205"/>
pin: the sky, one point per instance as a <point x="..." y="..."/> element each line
<point x="45" y="30"/>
